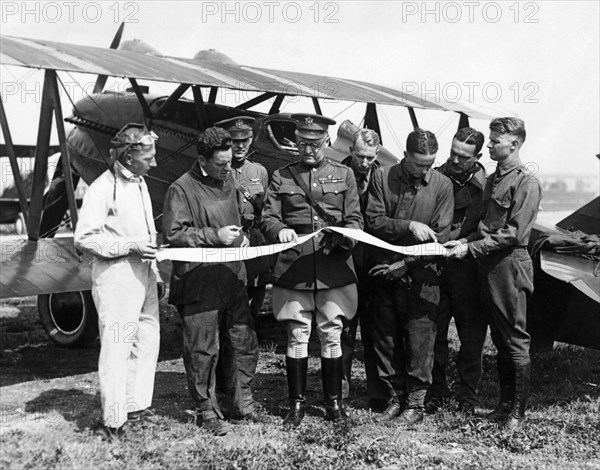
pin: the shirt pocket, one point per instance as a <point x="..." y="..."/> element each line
<point x="255" y="189"/>
<point x="292" y="197"/>
<point x="334" y="193"/>
<point x="500" y="205"/>
<point x="256" y="193"/>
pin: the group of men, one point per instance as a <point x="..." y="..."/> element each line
<point x="404" y="304"/>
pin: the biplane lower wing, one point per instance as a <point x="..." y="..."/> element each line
<point x="50" y="265"/>
<point x="575" y="270"/>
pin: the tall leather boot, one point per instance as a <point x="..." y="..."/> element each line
<point x="332" y="371"/>
<point x="506" y="377"/>
<point x="296" y="377"/>
<point x="516" y="417"/>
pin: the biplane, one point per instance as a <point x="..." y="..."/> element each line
<point x="49" y="266"/>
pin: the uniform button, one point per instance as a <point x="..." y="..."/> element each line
<point x="314" y="169"/>
<point x="316" y="217"/>
<point x="315" y="185"/>
<point x="335" y="192"/>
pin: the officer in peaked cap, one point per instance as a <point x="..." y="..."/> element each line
<point x="251" y="181"/>
<point x="239" y="127"/>
<point x="315" y="278"/>
<point x="312" y="126"/>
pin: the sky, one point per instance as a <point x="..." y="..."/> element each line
<point x="537" y="60"/>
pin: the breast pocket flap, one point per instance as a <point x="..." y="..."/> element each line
<point x="335" y="188"/>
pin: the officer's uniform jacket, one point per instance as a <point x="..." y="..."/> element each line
<point x="252" y="181"/>
<point x="510" y="203"/>
<point x="306" y="267"/>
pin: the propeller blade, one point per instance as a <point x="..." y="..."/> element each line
<point x="101" y="80"/>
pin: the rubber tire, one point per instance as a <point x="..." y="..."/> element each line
<point x="69" y="318"/>
<point x="20" y="226"/>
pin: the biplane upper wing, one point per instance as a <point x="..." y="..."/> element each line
<point x="127" y="64"/>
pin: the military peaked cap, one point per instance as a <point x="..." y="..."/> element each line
<point x="312" y="126"/>
<point x="240" y="127"/>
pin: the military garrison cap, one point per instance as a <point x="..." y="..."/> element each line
<point x="240" y="127"/>
<point x="312" y="126"/>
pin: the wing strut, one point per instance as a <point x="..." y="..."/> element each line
<point x="64" y="153"/>
<point x="463" y="121"/>
<point x="317" y="106"/>
<point x="413" y="117"/>
<point x="200" y="108"/>
<point x="257" y="100"/>
<point x="178" y="93"/>
<point x="212" y="97"/>
<point x="40" y="168"/>
<point x="141" y="99"/>
<point x="372" y="120"/>
<point x="16" y="170"/>
<point x="276" y="104"/>
<point x="50" y="104"/>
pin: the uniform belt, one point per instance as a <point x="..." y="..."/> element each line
<point x="495" y="255"/>
<point x="305" y="229"/>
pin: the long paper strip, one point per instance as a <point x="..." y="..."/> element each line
<point x="223" y="255"/>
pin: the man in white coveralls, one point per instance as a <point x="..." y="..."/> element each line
<point x="116" y="226"/>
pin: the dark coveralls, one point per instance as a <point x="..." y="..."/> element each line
<point x="252" y="182"/>
<point x="460" y="296"/>
<point x="375" y="388"/>
<point x="510" y="203"/>
<point x="403" y="326"/>
<point x="210" y="297"/>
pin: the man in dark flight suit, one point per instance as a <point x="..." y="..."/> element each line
<point x="511" y="201"/>
<point x="459" y="293"/>
<point x="409" y="203"/>
<point x="317" y="277"/>
<point x="201" y="210"/>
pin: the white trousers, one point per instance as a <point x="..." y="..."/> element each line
<point x="125" y="295"/>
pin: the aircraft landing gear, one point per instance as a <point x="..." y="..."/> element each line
<point x="19" y="225"/>
<point x="69" y="318"/>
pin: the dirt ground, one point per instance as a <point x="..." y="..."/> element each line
<point x="49" y="401"/>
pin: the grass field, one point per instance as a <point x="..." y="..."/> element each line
<point x="49" y="400"/>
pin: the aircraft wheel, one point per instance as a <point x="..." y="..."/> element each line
<point x="69" y="318"/>
<point x="20" y="227"/>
